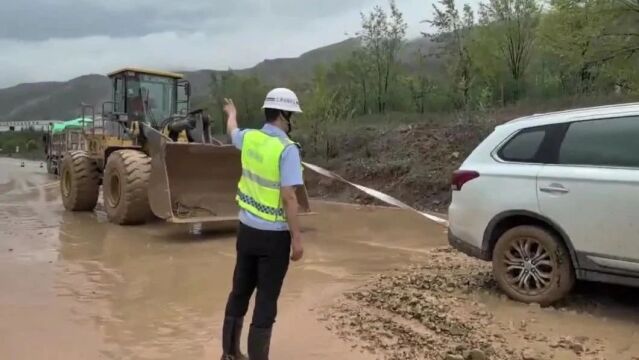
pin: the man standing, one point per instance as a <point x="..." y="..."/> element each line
<point x="269" y="231"/>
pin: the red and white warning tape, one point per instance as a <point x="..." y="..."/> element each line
<point x="374" y="193"/>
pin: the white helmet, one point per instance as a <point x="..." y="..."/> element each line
<point x="282" y="99"/>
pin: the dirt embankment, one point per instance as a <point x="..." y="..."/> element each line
<point x="411" y="162"/>
<point x="412" y="156"/>
<point x="450" y="309"/>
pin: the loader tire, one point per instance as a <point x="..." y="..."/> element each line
<point x="79" y="181"/>
<point x="125" y="187"/>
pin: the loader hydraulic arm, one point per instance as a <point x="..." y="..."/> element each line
<point x="196" y="124"/>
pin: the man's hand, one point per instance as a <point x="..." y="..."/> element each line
<point x="229" y="107"/>
<point x="297" y="250"/>
<point x="231" y="111"/>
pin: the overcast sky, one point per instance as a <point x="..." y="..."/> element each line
<point x="60" y="39"/>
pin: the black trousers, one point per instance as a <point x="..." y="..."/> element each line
<point x="262" y="263"/>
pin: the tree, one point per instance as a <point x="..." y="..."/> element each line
<point x="351" y="77"/>
<point x="622" y="30"/>
<point x="513" y="23"/>
<point x="323" y="110"/>
<point x="570" y="34"/>
<point x="246" y="91"/>
<point x="453" y="30"/>
<point x="360" y="67"/>
<point x="595" y="43"/>
<point x="419" y="85"/>
<point x="382" y="37"/>
<point x="620" y="38"/>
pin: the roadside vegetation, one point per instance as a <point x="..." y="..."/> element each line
<point x="403" y="126"/>
<point x="22" y="144"/>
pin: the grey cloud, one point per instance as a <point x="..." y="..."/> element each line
<point x="36" y="20"/>
<point x="315" y="8"/>
<point x="40" y="20"/>
<point x="44" y="40"/>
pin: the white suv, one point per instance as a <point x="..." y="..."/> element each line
<point x="552" y="198"/>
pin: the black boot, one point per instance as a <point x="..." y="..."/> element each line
<point x="259" y="342"/>
<point x="231" y="334"/>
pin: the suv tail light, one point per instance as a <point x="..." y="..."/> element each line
<point x="460" y="177"/>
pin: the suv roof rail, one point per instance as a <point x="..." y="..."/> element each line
<point x="575" y="110"/>
<point x="587" y="109"/>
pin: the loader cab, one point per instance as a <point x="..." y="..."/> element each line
<point x="149" y="96"/>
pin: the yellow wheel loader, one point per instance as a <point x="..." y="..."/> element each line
<point x="153" y="155"/>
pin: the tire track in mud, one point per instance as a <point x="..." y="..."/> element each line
<point x="7" y="186"/>
<point x="34" y="210"/>
<point x="29" y="217"/>
<point x="450" y="309"/>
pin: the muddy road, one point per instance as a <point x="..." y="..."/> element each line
<point x="449" y="308"/>
<point x="76" y="287"/>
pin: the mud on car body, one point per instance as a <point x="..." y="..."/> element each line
<point x="552" y="198"/>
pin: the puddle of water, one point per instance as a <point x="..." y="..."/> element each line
<point x="158" y="291"/>
<point x="173" y="284"/>
<point x="81" y="288"/>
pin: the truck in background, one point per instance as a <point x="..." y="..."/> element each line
<point x="61" y="138"/>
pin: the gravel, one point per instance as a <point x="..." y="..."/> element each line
<point x="434" y="312"/>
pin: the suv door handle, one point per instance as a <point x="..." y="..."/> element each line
<point x="554" y="189"/>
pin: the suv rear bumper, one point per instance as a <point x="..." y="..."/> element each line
<point x="467" y="248"/>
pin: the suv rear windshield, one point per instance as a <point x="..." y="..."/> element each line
<point x="524" y="146"/>
<point x="608" y="142"/>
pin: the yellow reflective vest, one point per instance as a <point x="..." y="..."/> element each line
<point x="259" y="190"/>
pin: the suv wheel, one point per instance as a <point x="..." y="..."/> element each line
<point x="531" y="265"/>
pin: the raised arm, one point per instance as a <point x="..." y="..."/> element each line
<point x="231" y="122"/>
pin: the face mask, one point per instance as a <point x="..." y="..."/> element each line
<point x="287" y="116"/>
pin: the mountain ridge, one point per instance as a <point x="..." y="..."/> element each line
<point x="60" y="99"/>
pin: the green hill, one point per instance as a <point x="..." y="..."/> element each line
<point x="60" y="100"/>
<point x="52" y="100"/>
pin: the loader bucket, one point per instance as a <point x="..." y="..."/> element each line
<point x="197" y="183"/>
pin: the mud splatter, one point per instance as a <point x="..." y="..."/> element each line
<point x="450" y="308"/>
